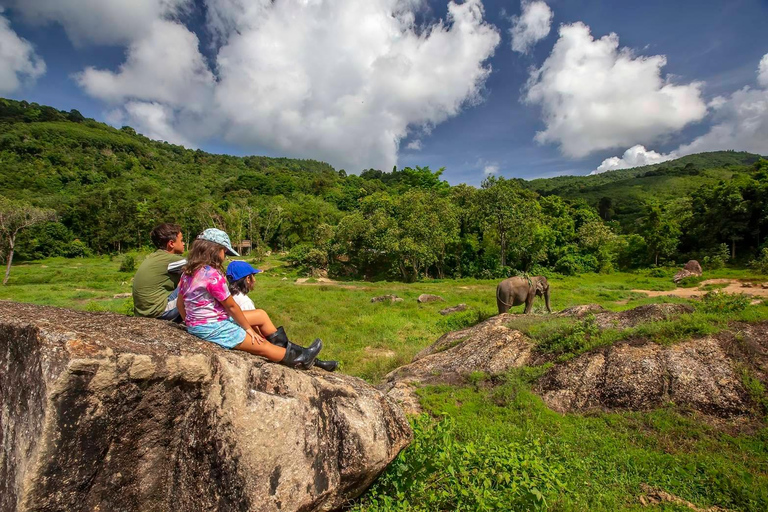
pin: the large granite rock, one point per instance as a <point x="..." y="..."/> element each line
<point x="695" y="374"/>
<point x="105" y="412"/>
<point x="490" y="347"/>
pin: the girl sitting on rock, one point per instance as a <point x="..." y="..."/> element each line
<point x="241" y="280"/>
<point x="211" y="313"/>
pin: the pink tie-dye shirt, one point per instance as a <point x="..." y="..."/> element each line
<point x="203" y="294"/>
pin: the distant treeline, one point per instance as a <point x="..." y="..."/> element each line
<point x="110" y="186"/>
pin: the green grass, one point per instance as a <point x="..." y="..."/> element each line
<point x="505" y="448"/>
<point x="576" y="462"/>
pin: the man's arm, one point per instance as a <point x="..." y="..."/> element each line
<point x="177" y="266"/>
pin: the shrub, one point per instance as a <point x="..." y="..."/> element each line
<point x="440" y="472"/>
<point x="128" y="264"/>
<point x="574" y="264"/>
<point x="761" y="264"/>
<point x="690" y="281"/>
<point x="716" y="258"/>
<point x="720" y="302"/>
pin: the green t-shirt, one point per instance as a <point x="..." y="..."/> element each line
<point x="153" y="283"/>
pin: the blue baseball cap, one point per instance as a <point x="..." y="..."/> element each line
<point x="218" y="236"/>
<point x="237" y="270"/>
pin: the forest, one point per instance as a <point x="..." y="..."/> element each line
<point x="105" y="188"/>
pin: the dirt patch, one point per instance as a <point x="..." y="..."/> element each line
<point x="380" y="352"/>
<point x="324" y="281"/>
<point x="733" y="286"/>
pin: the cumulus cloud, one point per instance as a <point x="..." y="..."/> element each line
<point x="414" y="145"/>
<point x="636" y="156"/>
<point x="346" y="80"/>
<point x="491" y="169"/>
<point x="164" y="65"/>
<point x="99" y="21"/>
<point x="740" y="121"/>
<point x="596" y="96"/>
<point x="151" y="119"/>
<point x="340" y="80"/>
<point x="762" y="71"/>
<point x="18" y="60"/>
<point x="531" y="26"/>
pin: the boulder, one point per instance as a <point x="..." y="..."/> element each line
<point x="425" y="297"/>
<point x="641" y="314"/>
<point x="490" y="347"/>
<point x="582" y="310"/>
<point x="387" y="298"/>
<point x="695" y="374"/>
<point x="106" y="412"/>
<point x="454" y="309"/>
<point x="691" y="269"/>
<point x="693" y="266"/>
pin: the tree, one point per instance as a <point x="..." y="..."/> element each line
<point x="16" y="216"/>
<point x="661" y="233"/>
<point x="512" y="213"/>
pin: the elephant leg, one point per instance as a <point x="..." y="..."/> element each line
<point x="503" y="308"/>
<point x="529" y="301"/>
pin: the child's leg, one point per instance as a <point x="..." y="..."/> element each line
<point x="259" y="318"/>
<point x="266" y="349"/>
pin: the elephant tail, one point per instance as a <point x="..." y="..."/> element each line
<point x="499" y="299"/>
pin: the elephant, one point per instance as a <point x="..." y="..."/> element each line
<point x="518" y="290"/>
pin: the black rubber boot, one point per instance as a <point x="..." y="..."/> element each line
<point x="329" y="366"/>
<point x="280" y="339"/>
<point x="300" y="357"/>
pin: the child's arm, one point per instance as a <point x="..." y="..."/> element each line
<point x="180" y="306"/>
<point x="237" y="315"/>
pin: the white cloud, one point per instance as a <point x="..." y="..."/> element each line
<point x="596" y="96"/>
<point x="491" y="169"/>
<point x="151" y="119"/>
<point x="164" y="65"/>
<point x="345" y="80"/>
<point x="531" y="26"/>
<point x="740" y="121"/>
<point x="635" y="156"/>
<point x="762" y="71"/>
<point x="340" y="80"/>
<point x="414" y="145"/>
<point x="99" y="21"/>
<point x="18" y="60"/>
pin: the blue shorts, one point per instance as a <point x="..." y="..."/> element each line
<point x="225" y="333"/>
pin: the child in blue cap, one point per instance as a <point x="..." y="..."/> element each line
<point x="240" y="278"/>
<point x="211" y="313"/>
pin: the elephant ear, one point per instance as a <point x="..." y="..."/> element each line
<point x="540" y="285"/>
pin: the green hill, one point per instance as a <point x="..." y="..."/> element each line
<point x="625" y="191"/>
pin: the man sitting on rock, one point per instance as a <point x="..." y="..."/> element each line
<point x="155" y="285"/>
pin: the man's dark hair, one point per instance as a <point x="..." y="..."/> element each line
<point x="163" y="234"/>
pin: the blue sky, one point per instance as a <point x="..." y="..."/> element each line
<point x="202" y="79"/>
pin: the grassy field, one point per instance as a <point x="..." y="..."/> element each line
<point x="484" y="446"/>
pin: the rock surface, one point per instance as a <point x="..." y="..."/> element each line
<point x="106" y="412"/>
<point x="695" y="374"/>
<point x="454" y="309"/>
<point x="641" y="314"/>
<point x="425" y="297"/>
<point x="387" y="298"/>
<point x="691" y="269"/>
<point x="693" y="266"/>
<point x="702" y="374"/>
<point x="489" y="347"/>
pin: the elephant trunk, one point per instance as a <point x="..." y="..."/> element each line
<point x="546" y="299"/>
